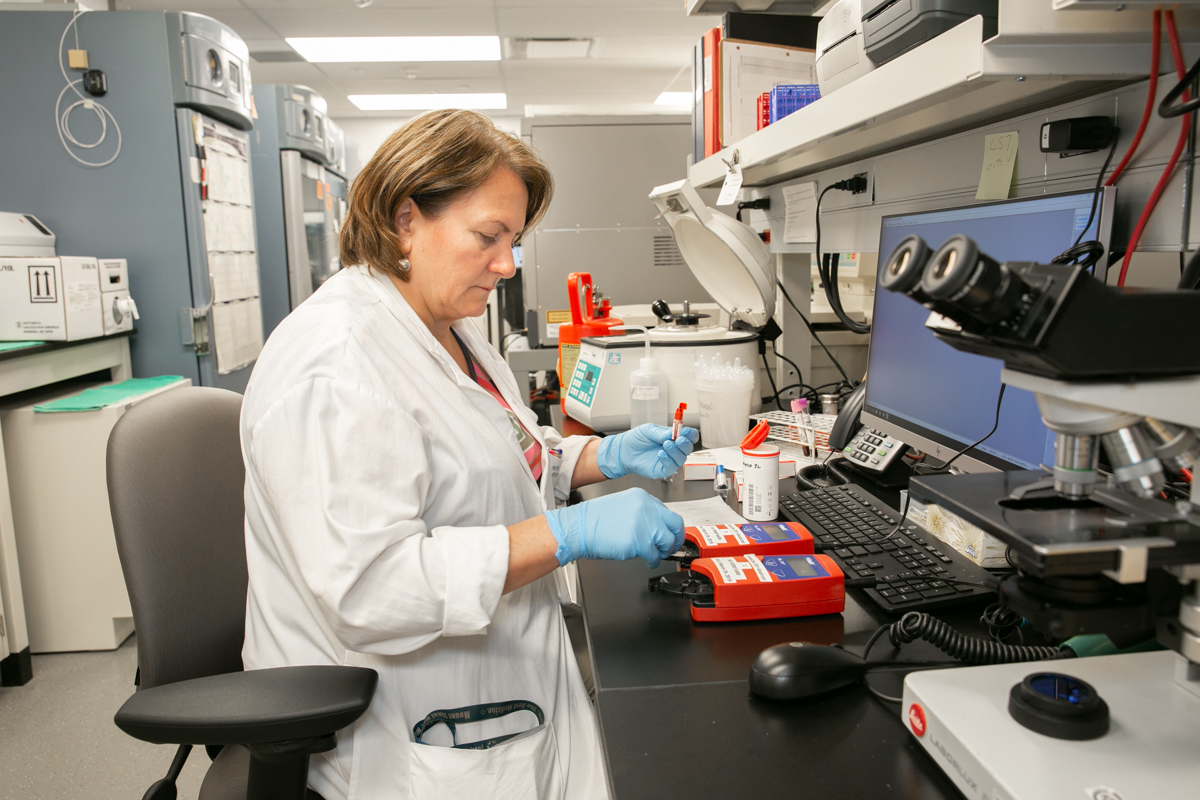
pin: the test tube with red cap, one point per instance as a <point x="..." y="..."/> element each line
<point x="677" y="426"/>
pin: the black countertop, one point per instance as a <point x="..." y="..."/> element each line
<point x="676" y="714"/>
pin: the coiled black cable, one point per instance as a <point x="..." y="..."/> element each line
<point x="968" y="649"/>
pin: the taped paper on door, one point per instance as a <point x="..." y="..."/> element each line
<point x="237" y="333"/>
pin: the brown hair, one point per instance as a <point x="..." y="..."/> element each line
<point x="432" y="159"/>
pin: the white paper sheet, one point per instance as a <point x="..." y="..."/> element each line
<point x="234" y="276"/>
<point x="710" y="511"/>
<point x="238" y="333"/>
<point x="800" y="213"/>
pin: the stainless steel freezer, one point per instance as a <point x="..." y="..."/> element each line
<point x="301" y="201"/>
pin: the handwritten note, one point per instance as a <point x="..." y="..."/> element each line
<point x="999" y="162"/>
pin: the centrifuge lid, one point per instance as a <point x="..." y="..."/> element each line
<point x="728" y="258"/>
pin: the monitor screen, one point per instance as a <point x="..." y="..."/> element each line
<point x="938" y="399"/>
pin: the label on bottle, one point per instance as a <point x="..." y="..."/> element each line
<point x="643" y="392"/>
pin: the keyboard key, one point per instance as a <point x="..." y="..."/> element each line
<point x="858" y="551"/>
<point x="961" y="589"/>
<point x="939" y="592"/>
<point x="875" y="565"/>
<point x="923" y="572"/>
<point x="842" y="552"/>
<point x="874" y="548"/>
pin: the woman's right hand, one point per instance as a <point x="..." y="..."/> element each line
<point x="617" y="527"/>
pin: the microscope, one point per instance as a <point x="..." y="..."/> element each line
<point x="1104" y="540"/>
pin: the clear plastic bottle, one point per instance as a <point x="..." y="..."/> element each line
<point x="647" y="394"/>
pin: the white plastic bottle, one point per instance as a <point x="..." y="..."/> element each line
<point x="647" y="389"/>
<point x="647" y="394"/>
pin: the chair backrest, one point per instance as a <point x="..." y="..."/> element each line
<point x="175" y="487"/>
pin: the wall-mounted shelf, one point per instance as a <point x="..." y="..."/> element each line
<point x="950" y="84"/>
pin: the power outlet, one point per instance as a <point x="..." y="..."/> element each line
<point x="860" y="183"/>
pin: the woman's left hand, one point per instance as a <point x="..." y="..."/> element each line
<point x="647" y="450"/>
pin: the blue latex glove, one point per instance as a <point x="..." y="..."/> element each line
<point x="647" y="450"/>
<point x="617" y="527"/>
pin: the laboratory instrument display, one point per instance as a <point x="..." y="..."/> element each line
<point x="175" y="200"/>
<point x="1110" y="556"/>
<point x="730" y="589"/>
<point x="301" y="201"/>
<point x="762" y="539"/>
<point x="909" y="570"/>
<point x="734" y="266"/>
<point x="591" y="315"/>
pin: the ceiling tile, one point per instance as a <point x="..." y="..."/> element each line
<point x="379" y="22"/>
<point x="552" y="21"/>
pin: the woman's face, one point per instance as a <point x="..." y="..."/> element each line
<point x="457" y="258"/>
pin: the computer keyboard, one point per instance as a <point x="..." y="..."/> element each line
<point x="913" y="570"/>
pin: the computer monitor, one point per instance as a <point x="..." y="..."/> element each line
<point x="934" y="398"/>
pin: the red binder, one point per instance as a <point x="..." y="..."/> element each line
<point x="712" y="92"/>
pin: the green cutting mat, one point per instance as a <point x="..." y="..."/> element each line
<point x="101" y="396"/>
<point x="6" y="346"/>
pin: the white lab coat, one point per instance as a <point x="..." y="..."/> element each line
<point x="379" y="481"/>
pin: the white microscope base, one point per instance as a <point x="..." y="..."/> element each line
<point x="1151" y="752"/>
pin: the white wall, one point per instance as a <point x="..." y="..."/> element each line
<point x="364" y="135"/>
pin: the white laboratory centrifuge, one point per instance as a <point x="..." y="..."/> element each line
<point x="734" y="266"/>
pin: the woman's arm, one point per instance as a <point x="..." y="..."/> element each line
<point x="531" y="552"/>
<point x="587" y="471"/>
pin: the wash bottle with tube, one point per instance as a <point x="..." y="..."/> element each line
<point x="647" y="389"/>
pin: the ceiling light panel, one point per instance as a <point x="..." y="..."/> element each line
<point x="427" y="102"/>
<point x="329" y="49"/>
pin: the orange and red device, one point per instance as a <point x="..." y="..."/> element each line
<point x="730" y="589"/>
<point x="761" y="538"/>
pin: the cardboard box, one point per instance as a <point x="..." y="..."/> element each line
<point x="54" y="299"/>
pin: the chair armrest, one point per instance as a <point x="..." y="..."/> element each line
<point x="254" y="707"/>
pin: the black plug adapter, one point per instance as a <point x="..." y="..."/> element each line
<point x="95" y="83"/>
<point x="1077" y="135"/>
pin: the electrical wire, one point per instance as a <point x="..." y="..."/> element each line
<point x="62" y="116"/>
<point x="782" y="357"/>
<point x="1184" y="131"/>
<point x="813" y="331"/>
<point x="967" y="649"/>
<point x="829" y="274"/>
<point x="1116" y="134"/>
<point x="945" y="467"/>
<point x="771" y="378"/>
<point x="1151" y="93"/>
<point x="504" y="339"/>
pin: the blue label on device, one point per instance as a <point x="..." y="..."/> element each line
<point x="771" y="532"/>
<point x="791" y="568"/>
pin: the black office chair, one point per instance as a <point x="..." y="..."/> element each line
<point x="175" y="484"/>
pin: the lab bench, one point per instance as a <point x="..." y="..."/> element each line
<point x="676" y="715"/>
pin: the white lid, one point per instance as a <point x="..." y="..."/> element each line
<point x="728" y="258"/>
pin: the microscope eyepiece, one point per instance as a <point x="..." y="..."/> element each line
<point x="985" y="290"/>
<point x="904" y="267"/>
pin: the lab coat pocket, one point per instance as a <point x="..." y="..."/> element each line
<point x="523" y="768"/>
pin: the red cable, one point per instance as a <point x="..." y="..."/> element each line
<point x="1184" y="130"/>
<point x="1187" y="473"/>
<point x="1151" y="96"/>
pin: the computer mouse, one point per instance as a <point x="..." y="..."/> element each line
<point x="795" y="670"/>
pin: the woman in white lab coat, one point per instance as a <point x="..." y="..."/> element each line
<point x="402" y="502"/>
